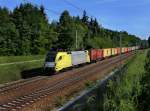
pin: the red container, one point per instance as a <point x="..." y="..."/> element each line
<point x="93" y="54"/>
<point x="118" y="50"/>
<point x="126" y="50"/>
<point x="99" y="54"/>
<point x="96" y="54"/>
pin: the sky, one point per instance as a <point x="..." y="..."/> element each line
<point x="132" y="16"/>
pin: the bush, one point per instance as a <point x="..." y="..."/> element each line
<point x="144" y="98"/>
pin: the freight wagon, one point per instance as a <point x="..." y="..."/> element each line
<point x="130" y="49"/>
<point x="96" y="54"/>
<point x="118" y="50"/>
<point x="114" y="51"/>
<point x="79" y="57"/>
<point x="126" y="49"/>
<point x="122" y="50"/>
<point x="107" y="52"/>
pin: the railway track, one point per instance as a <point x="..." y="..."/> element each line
<point x="51" y="89"/>
<point x="22" y="88"/>
<point x="31" y="85"/>
<point x="15" y="85"/>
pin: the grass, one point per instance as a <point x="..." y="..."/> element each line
<point x="9" y="59"/>
<point x="59" y="101"/>
<point x="12" y="72"/>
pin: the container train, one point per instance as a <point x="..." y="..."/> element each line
<point x="57" y="61"/>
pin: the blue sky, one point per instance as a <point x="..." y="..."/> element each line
<point x="132" y="16"/>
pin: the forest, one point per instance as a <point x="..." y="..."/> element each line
<point x="26" y="30"/>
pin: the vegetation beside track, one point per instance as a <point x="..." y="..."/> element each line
<point x="131" y="93"/>
<point x="14" y="71"/>
<point x="122" y="94"/>
<point x="144" y="98"/>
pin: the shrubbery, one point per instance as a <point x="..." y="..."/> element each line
<point x="144" y="98"/>
<point x="122" y="94"/>
<point x="132" y="91"/>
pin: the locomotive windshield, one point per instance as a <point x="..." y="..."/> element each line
<point x="51" y="57"/>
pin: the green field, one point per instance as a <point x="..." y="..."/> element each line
<point x="12" y="72"/>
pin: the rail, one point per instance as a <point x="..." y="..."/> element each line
<point x="84" y="95"/>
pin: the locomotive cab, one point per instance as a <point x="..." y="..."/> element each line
<point x="50" y="61"/>
<point x="56" y="61"/>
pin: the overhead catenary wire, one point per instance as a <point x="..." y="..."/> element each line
<point x="78" y="8"/>
<point x="73" y="5"/>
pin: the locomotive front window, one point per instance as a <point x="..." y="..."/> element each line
<point x="60" y="58"/>
<point x="50" y="57"/>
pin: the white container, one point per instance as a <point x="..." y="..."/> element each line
<point x="78" y="57"/>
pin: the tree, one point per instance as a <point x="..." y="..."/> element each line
<point x="27" y="31"/>
<point x="33" y="26"/>
<point x="85" y="18"/>
<point x="66" y="32"/>
<point x="8" y="34"/>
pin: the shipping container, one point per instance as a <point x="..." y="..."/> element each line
<point x="107" y="52"/>
<point x="78" y="57"/>
<point x="130" y="49"/>
<point x="126" y="49"/>
<point x="115" y="51"/>
<point x="137" y="47"/>
<point x="112" y="51"/>
<point x="96" y="54"/>
<point x="99" y="54"/>
<point x="118" y="50"/>
<point x="133" y="48"/>
<point x="93" y="54"/>
<point x="122" y="50"/>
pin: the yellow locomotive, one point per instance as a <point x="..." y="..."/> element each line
<point x="57" y="61"/>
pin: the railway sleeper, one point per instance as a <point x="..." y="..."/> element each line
<point x="11" y="104"/>
<point x="2" y="108"/>
<point x="18" y="107"/>
<point x="23" y="105"/>
<point x="31" y="101"/>
<point x="27" y="103"/>
<point x="14" y="109"/>
<point x="15" y="102"/>
<point x="20" y="100"/>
